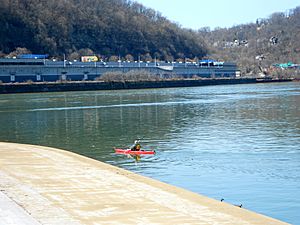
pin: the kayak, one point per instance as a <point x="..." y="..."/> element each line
<point x="139" y="152"/>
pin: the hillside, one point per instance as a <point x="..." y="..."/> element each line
<point x="256" y="46"/>
<point x="126" y="29"/>
<point x="110" y="28"/>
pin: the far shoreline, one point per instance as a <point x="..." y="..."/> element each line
<point x="62" y="86"/>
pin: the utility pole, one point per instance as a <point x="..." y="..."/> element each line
<point x="139" y="60"/>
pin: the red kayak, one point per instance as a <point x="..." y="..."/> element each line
<point x="139" y="152"/>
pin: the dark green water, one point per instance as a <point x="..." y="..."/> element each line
<point x="237" y="142"/>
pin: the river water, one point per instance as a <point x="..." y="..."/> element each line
<point x="236" y="142"/>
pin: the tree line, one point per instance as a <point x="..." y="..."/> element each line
<point x="102" y="27"/>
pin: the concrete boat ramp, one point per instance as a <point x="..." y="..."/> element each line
<point x="42" y="185"/>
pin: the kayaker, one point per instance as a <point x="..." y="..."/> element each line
<point x="136" y="146"/>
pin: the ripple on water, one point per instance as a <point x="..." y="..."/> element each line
<point x="237" y="142"/>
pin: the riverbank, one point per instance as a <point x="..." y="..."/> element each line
<point x="52" y="186"/>
<point x="33" y="87"/>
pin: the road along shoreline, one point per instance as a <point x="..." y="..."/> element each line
<point x="53" y="186"/>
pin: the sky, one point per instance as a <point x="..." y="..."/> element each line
<point x="218" y="13"/>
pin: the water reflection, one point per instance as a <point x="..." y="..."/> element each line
<point x="135" y="158"/>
